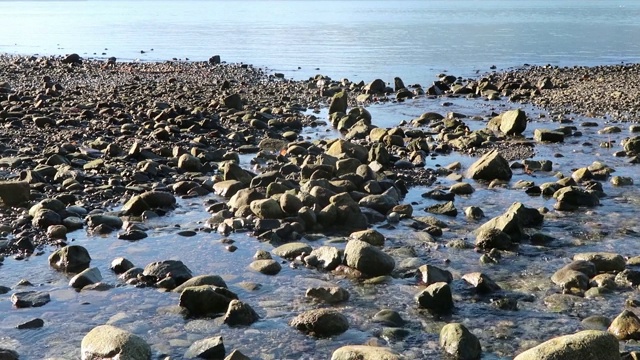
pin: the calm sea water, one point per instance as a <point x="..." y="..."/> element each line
<point x="360" y="40"/>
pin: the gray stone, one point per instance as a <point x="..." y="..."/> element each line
<point x="86" y="277"/>
<point x="120" y="265"/>
<point x="367" y="258"/>
<point x="388" y="317"/>
<point x="513" y="122"/>
<point x="110" y="342"/>
<point x="625" y="326"/>
<point x="228" y="188"/>
<point x="364" y="352"/>
<point x="14" y="193"/>
<point x="31" y="324"/>
<point x="102" y="219"/>
<point x="459" y="343"/>
<point x="448" y="209"/>
<point x="493" y="238"/>
<point x="489" y="167"/>
<point x="436" y="297"/>
<point x="267" y="267"/>
<point x="432" y="274"/>
<point x="329" y="295"/>
<point x="236" y="355"/>
<point x="7" y="354"/>
<point x="150" y="200"/>
<point x="544" y="135"/>
<point x="44" y="218"/>
<point x="291" y="250"/>
<point x="321" y="322"/>
<point x="209" y="348"/>
<point x="266" y="209"/>
<point x="214" y="280"/>
<point x="240" y="314"/>
<point x="173" y="269"/>
<point x="328" y="257"/>
<point x="584" y="345"/>
<point x="72" y="258"/>
<point x="480" y="282"/>
<point x="370" y="236"/>
<point x="25" y="299"/>
<point x="339" y="103"/>
<point x="603" y="261"/>
<point x="461" y="188"/>
<point x="206" y="300"/>
<point x="188" y="162"/>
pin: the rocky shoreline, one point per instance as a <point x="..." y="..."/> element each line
<point x="104" y="147"/>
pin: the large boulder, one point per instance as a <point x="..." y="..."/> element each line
<point x="173" y="269"/>
<point x="110" y="342"/>
<point x="72" y="258"/>
<point x="512" y="122"/>
<point x="367" y="258"/>
<point x="489" y="167"/>
<point x="585" y="345"/>
<point x="13" y="193"/>
<point x="512" y="222"/>
<point x="321" y="322"/>
<point x="626" y="326"/>
<point x="339" y="102"/>
<point x="459" y="343"/>
<point x="603" y="261"/>
<point x="364" y="352"/>
<point x="205" y="300"/>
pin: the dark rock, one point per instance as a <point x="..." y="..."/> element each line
<point x="321" y="322"/>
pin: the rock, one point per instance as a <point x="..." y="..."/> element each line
<point x="150" y="200"/>
<point x="188" y="162"/>
<point x="72" y="258"/>
<point x="493" y="238"/>
<point x="381" y="203"/>
<point x="290" y="203"/>
<point x="348" y="149"/>
<point x="514" y="219"/>
<point x="173" y="269"/>
<point x="461" y="188"/>
<point x="45" y="218"/>
<point x="291" y="250"/>
<point x="603" y="261"/>
<point x="571" y="197"/>
<point x="568" y="278"/>
<point x="481" y="282"/>
<point x="364" y="352"/>
<point x="321" y="322"/>
<point x="237" y="355"/>
<point x="86" y="277"/>
<point x="267" y="267"/>
<point x="489" y="167"/>
<point x="110" y="342"/>
<point x="329" y="295"/>
<point x="209" y="348"/>
<point x="377" y="86"/>
<point x="584" y="345"/>
<point x="13" y="193"/>
<point x="120" y="265"/>
<point x="206" y="300"/>
<point x="436" y="297"/>
<point x="431" y="274"/>
<point x="388" y="317"/>
<point x="367" y="258"/>
<point x="214" y="280"/>
<point x="228" y="188"/>
<point x="447" y="209"/>
<point x="233" y="101"/>
<point x="239" y="313"/>
<point x="339" y="102"/>
<point x="632" y="145"/>
<point x="31" y="324"/>
<point x="545" y="135"/>
<point x="266" y="209"/>
<point x="369" y="236"/>
<point x="244" y="197"/>
<point x="458" y="342"/>
<point x="72" y="59"/>
<point x="512" y="122"/>
<point x="328" y="257"/>
<point x="626" y="326"/>
<point x="473" y="213"/>
<point x="102" y="219"/>
<point x="25" y="299"/>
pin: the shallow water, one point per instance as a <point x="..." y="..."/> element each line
<point x="524" y="272"/>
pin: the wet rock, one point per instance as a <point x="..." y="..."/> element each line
<point x="209" y="348"/>
<point x="72" y="59"/>
<point x="206" y="300"/>
<point x="31" y="324"/>
<point x="489" y="167"/>
<point x="596" y="322"/>
<point x="321" y="322"/>
<point x="173" y="269"/>
<point x="568" y="278"/>
<point x="150" y="200"/>
<point x="267" y="267"/>
<point x="329" y="295"/>
<point x="132" y="235"/>
<point x="584" y="345"/>
<point x="461" y="188"/>
<point x="233" y="101"/>
<point x="493" y="238"/>
<point x="292" y="250"/>
<point x="72" y="258"/>
<point x="25" y="299"/>
<point x="512" y="122"/>
<point x="107" y="342"/>
<point x="102" y="219"/>
<point x="367" y="258"/>
<point x="236" y="355"/>
<point x="244" y="197"/>
<point x="44" y="218"/>
<point x="603" y="261"/>
<point x="571" y="197"/>
<point x="481" y="282"/>
<point x="13" y="193"/>
<point x="266" y="209"/>
<point x="388" y="317"/>
<point x="290" y="203"/>
<point x="369" y="236"/>
<point x="447" y="209"/>
<point x="514" y="219"/>
<point x="364" y="352"/>
<point x="473" y="213"/>
<point x="626" y="326"/>
<point x="188" y="162"/>
<point x="431" y="274"/>
<point x="86" y="277"/>
<point x="346" y="148"/>
<point x="240" y="314"/>
<point x="228" y="188"/>
<point x="328" y="257"/>
<point x="214" y="280"/>
<point x="120" y="265"/>
<point x="459" y="343"/>
<point x="339" y="103"/>
<point x="436" y="297"/>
